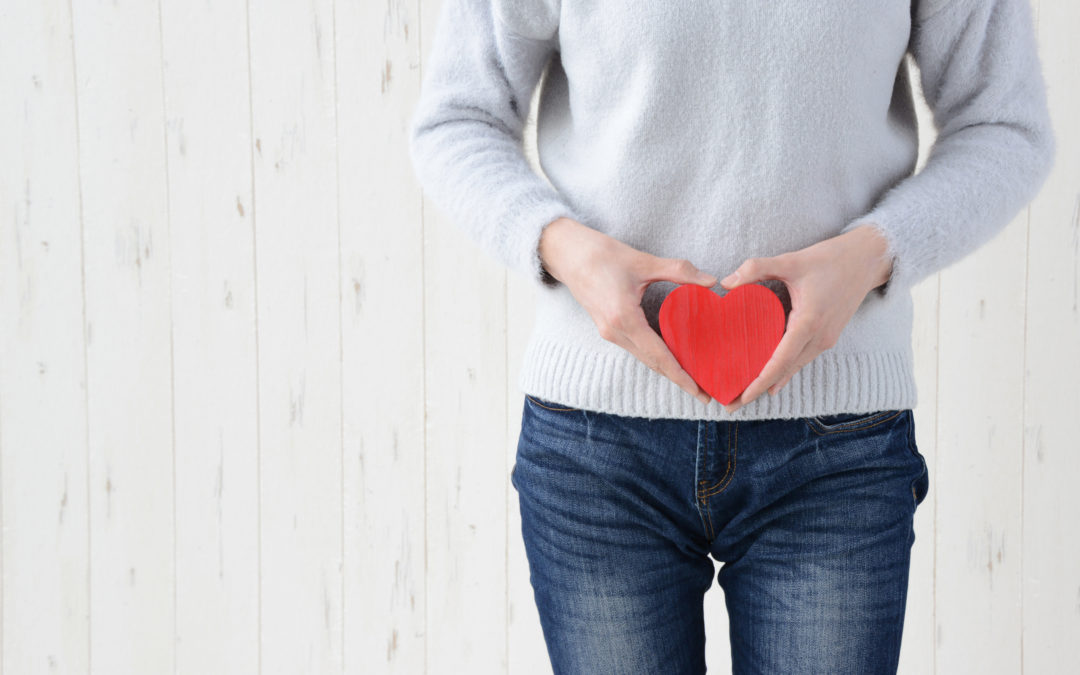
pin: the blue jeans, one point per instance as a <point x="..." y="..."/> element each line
<point x="811" y="518"/>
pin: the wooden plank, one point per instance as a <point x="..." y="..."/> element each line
<point x="978" y="462"/>
<point x="299" y="336"/>
<point x="465" y="355"/>
<point x="43" y="449"/>
<point x="213" y="307"/>
<point x="978" y="457"/>
<point x="1051" y="470"/>
<point x="128" y="335"/>
<point x="382" y="314"/>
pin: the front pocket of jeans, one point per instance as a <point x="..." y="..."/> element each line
<point x="848" y="422"/>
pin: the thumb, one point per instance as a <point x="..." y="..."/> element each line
<point x="752" y="269"/>
<point x="680" y="271"/>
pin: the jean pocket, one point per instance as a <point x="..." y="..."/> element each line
<point x="847" y="422"/>
<point x="549" y="405"/>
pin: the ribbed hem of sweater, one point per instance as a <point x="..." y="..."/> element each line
<point x="616" y="382"/>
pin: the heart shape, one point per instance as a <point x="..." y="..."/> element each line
<point x="722" y="341"/>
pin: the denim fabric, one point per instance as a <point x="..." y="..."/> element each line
<point x="811" y="519"/>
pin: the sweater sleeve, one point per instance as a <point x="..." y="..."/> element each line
<point x="465" y="134"/>
<point x="982" y="79"/>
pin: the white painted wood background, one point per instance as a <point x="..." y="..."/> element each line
<point x="258" y="402"/>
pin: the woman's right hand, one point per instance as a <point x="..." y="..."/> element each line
<point x="608" y="278"/>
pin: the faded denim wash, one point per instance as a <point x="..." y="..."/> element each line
<point x="811" y="519"/>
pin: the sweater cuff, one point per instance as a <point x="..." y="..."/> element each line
<point x="533" y="218"/>
<point x="908" y="262"/>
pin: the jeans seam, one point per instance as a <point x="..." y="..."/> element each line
<point x="702" y="502"/>
<point x="708" y="515"/>
<point x="922" y="460"/>
<point x="704" y="464"/>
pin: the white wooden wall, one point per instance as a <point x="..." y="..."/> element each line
<point x="258" y="402"/>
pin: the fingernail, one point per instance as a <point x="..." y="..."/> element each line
<point x="705" y="398"/>
<point x="730" y="279"/>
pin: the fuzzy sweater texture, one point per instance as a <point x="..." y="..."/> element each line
<point x="720" y="130"/>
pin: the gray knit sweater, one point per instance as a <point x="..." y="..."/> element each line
<point x="719" y="130"/>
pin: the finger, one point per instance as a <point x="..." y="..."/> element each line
<point x="809" y="353"/>
<point x="759" y="269"/>
<point x="651" y="349"/>
<point x="678" y="270"/>
<point x="656" y="364"/>
<point x="783" y="382"/>
<point x="666" y="364"/>
<point x="791" y="346"/>
<point x="734" y="404"/>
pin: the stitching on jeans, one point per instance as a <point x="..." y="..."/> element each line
<point x="704" y="458"/>
<point x="549" y="407"/>
<point x="708" y="514"/>
<point x="819" y="432"/>
<point x="849" y="425"/>
<point x="733" y="458"/>
<point x="704" y="469"/>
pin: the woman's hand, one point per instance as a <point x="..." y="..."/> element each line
<point x="827" y="282"/>
<point x="608" y="278"/>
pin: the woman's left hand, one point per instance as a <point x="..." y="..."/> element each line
<point x="827" y="282"/>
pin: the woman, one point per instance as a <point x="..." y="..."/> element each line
<point x="776" y="142"/>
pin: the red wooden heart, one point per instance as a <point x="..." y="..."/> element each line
<point x="722" y="341"/>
